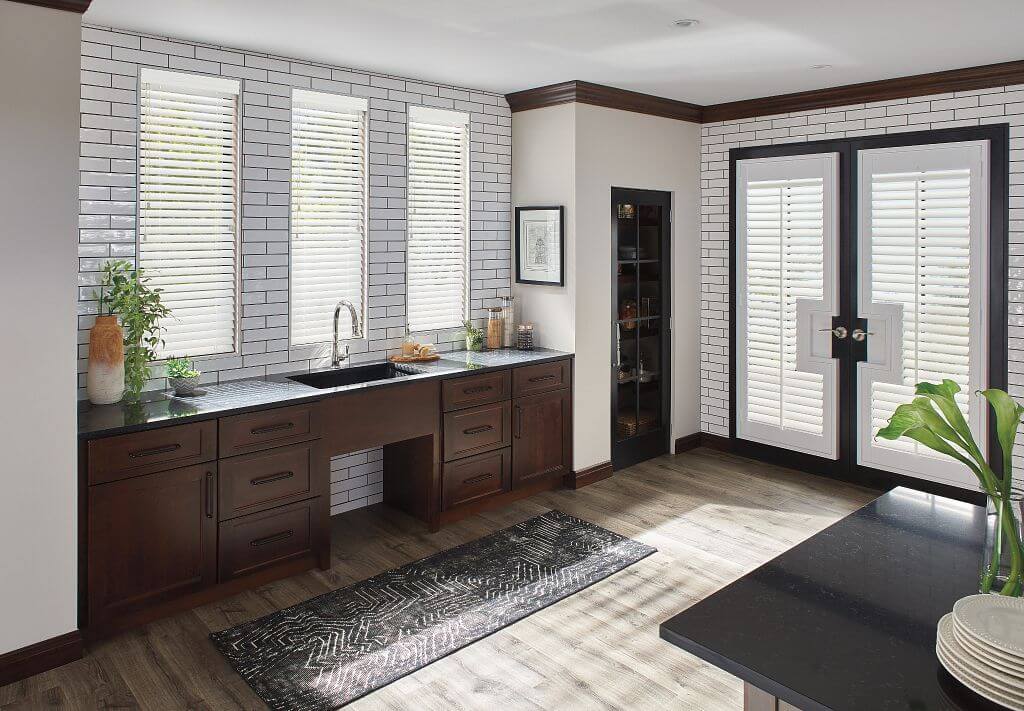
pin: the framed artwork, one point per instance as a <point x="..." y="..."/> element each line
<point x="540" y="245"/>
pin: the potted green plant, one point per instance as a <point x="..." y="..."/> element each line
<point x="182" y="375"/>
<point x="474" y="337"/>
<point x="127" y="293"/>
<point x="934" y="419"/>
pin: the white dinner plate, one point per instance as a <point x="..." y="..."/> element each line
<point x="1005" y="693"/>
<point x="984" y="653"/>
<point x="975" y="684"/>
<point x="996" y="620"/>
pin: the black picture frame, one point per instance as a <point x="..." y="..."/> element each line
<point x="561" y="244"/>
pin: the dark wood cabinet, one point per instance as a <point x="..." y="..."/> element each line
<point x="151" y="538"/>
<point x="478" y="429"/>
<point x="252" y="543"/>
<point x="541" y="436"/>
<point x="477" y="477"/>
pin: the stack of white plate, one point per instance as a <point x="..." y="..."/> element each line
<point x="981" y="643"/>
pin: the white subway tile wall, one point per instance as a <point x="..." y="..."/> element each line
<point x="966" y="108"/>
<point x="111" y="60"/>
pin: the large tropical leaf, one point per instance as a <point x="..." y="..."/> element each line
<point x="1008" y="415"/>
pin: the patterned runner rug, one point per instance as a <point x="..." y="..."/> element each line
<point x="332" y="649"/>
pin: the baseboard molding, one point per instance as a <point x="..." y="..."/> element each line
<point x="701" y="439"/>
<point x="39" y="657"/>
<point x="585" y="477"/>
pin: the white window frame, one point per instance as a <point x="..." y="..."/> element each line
<point x="444" y="117"/>
<point x="194" y="80"/>
<point x="362" y="105"/>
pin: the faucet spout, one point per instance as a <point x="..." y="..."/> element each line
<point x="357" y="332"/>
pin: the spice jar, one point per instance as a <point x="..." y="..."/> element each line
<point x="524" y="337"/>
<point x="495" y="328"/>
<point x="508" y="339"/>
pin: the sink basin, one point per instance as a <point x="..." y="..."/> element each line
<point x="349" y="376"/>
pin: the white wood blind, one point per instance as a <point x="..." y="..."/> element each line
<point x="328" y="211"/>
<point x="784" y="263"/>
<point x="188" y="206"/>
<point x="437" y="259"/>
<point x="921" y="259"/>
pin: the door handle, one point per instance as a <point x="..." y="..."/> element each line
<point x="839" y="332"/>
<point x="517" y="423"/>
<point x="209" y="494"/>
<point x="860" y="334"/>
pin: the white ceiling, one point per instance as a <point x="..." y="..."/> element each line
<point x="741" y="48"/>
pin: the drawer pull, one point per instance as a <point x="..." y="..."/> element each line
<point x="280" y="476"/>
<point x="271" y="428"/>
<point x="478" y="430"/>
<point x="154" y="451"/>
<point x="542" y="378"/>
<point x="477" y="389"/>
<point x="478" y="479"/>
<point x="282" y="536"/>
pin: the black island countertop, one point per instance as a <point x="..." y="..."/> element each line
<point x="159" y="408"/>
<point x="847" y="619"/>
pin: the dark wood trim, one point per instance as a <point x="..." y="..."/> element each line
<point x="589" y="475"/>
<point x="970" y="78"/>
<point x="692" y="441"/>
<point x="78" y="6"/>
<point x="39" y="657"/>
<point x="583" y="92"/>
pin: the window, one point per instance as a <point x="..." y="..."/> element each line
<point x="438" y="244"/>
<point x="188" y="206"/>
<point x="328" y="211"/>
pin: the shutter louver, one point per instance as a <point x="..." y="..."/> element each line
<point x="328" y="211"/>
<point x="785" y="246"/>
<point x="188" y="200"/>
<point x="920" y="258"/>
<point x="438" y="219"/>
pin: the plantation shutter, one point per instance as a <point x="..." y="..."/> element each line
<point x="328" y="211"/>
<point x="188" y="207"/>
<point x="438" y="219"/>
<point x="786" y="234"/>
<point x="922" y="240"/>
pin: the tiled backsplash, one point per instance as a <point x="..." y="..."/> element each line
<point x="111" y="60"/>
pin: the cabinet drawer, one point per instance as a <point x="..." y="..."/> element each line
<point x="540" y="378"/>
<point x="476" y="477"/>
<point x="254" y="431"/>
<point x="123" y="456"/>
<point x="459" y="393"/>
<point x="479" y="429"/>
<point x="254" y="482"/>
<point x="252" y="542"/>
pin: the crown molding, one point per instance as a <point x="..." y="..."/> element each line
<point x="78" y="6"/>
<point x="599" y="95"/>
<point x="968" y="79"/>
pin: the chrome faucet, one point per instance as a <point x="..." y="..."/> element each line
<point x="336" y="355"/>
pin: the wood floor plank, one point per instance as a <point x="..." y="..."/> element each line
<point x="712" y="516"/>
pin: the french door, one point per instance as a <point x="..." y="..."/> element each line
<point x="860" y="268"/>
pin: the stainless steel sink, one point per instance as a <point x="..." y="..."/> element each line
<point x="349" y="376"/>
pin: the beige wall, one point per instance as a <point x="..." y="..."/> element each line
<point x="594" y="149"/>
<point x="39" y="79"/>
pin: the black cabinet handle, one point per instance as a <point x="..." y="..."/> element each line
<point x="271" y="428"/>
<point x="282" y="536"/>
<point x="477" y="389"/>
<point x="478" y="479"/>
<point x="280" y="476"/>
<point x="478" y="430"/>
<point x="542" y="378"/>
<point x="209" y="494"/>
<point x="154" y="451"/>
<point x="517" y="430"/>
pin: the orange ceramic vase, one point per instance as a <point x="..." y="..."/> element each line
<point x="105" y="379"/>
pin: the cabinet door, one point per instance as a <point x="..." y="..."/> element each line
<point x="541" y="443"/>
<point x="151" y="538"/>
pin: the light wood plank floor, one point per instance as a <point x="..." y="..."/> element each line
<point x="712" y="517"/>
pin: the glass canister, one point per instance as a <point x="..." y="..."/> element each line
<point x="508" y="315"/>
<point x="524" y="337"/>
<point x="495" y="328"/>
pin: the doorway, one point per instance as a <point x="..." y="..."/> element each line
<point x="859" y="268"/>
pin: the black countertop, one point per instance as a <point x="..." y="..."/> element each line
<point x="847" y="619"/>
<point x="157" y="409"/>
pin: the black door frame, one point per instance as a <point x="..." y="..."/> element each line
<point x="846" y="467"/>
<point x="643" y="447"/>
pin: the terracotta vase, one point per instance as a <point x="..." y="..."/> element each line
<point x="105" y="379"/>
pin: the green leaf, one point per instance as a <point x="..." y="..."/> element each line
<point x="1008" y="416"/>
